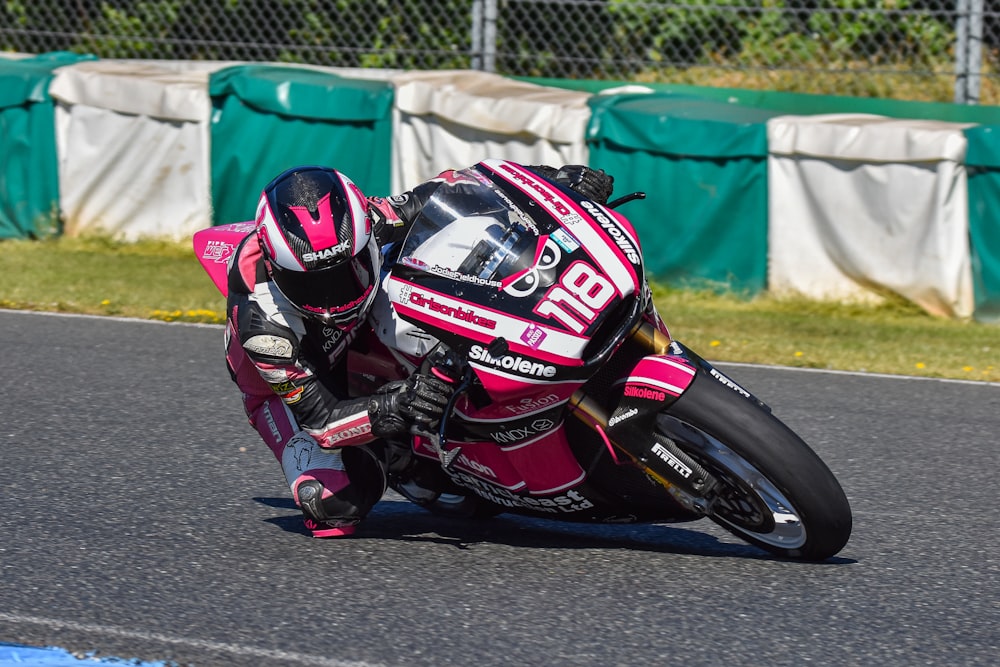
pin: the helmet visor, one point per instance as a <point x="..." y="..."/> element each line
<point x="340" y="293"/>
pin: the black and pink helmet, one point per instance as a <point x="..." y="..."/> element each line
<point x="316" y="236"/>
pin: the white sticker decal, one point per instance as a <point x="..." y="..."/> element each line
<point x="272" y="346"/>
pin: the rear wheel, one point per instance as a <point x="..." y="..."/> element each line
<point x="424" y="483"/>
<point x="773" y="491"/>
<point x="465" y="505"/>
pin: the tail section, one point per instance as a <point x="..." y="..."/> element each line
<point x="214" y="248"/>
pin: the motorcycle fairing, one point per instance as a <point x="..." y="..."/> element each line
<point x="530" y="402"/>
<point x="541" y="465"/>
<point x="214" y="248"/>
<point x="586" y="221"/>
<point x="555" y="284"/>
<point x="464" y="323"/>
<point x="469" y="425"/>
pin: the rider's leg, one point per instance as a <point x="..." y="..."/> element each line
<point x="334" y="488"/>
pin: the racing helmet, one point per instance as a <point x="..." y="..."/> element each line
<point x="319" y="250"/>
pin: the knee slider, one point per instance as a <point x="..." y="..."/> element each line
<point x="336" y="507"/>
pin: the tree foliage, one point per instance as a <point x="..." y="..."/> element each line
<point x="587" y="38"/>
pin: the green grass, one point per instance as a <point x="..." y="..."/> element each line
<point x="160" y="280"/>
<point x="150" y="279"/>
<point x="896" y="337"/>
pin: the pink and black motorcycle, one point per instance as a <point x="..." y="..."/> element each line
<point x="572" y="401"/>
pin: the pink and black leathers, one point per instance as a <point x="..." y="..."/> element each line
<point x="291" y="370"/>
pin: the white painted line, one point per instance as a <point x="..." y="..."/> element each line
<point x="886" y="376"/>
<point x="113" y="318"/>
<point x="306" y="659"/>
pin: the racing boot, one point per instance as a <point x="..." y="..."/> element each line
<point x="334" y="488"/>
<point x="320" y="506"/>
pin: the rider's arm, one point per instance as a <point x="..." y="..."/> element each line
<point x="313" y="386"/>
<point x="317" y="401"/>
<point x="392" y="216"/>
<point x="274" y="347"/>
<point x="309" y="375"/>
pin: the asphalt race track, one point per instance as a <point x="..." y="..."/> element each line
<point x="141" y="518"/>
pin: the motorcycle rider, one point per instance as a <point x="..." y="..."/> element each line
<point x="300" y="292"/>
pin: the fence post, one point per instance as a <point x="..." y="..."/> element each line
<point x="490" y="35"/>
<point x="477" y="35"/>
<point x="484" y="35"/>
<point x="968" y="50"/>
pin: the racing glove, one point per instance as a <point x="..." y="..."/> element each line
<point x="417" y="401"/>
<point x="593" y="184"/>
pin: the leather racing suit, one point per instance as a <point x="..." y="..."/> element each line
<point x="292" y="372"/>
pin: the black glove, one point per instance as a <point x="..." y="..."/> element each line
<point x="419" y="401"/>
<point x="596" y="185"/>
<point x="542" y="170"/>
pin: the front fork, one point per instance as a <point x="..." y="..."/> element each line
<point x="629" y="431"/>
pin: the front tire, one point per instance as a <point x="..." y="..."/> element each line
<point x="774" y="491"/>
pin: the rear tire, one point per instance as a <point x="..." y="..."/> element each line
<point x="424" y="483"/>
<point x="451" y="505"/>
<point x="774" y="492"/>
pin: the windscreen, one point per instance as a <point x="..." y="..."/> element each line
<point x="488" y="238"/>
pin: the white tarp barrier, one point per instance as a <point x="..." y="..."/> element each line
<point x="366" y="73"/>
<point x="860" y="204"/>
<point x="453" y="119"/>
<point x="133" y="140"/>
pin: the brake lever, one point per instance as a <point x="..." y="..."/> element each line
<point x="615" y="203"/>
<point x="446" y="364"/>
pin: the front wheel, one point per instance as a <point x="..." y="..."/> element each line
<point x="773" y="490"/>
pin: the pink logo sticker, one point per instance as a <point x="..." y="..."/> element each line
<point x="533" y="336"/>
<point x="218" y="251"/>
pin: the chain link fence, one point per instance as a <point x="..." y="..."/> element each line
<point x="940" y="50"/>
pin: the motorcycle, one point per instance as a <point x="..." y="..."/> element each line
<point x="572" y="401"/>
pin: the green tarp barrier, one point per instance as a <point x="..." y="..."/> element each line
<point x="29" y="171"/>
<point x="982" y="162"/>
<point x="703" y="167"/>
<point x="268" y="118"/>
<point x="798" y="104"/>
